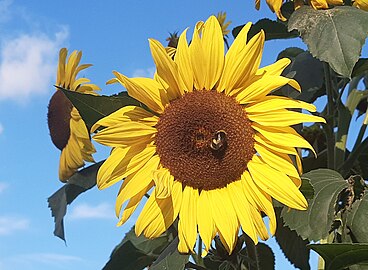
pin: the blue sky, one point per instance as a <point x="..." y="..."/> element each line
<point x="113" y="36"/>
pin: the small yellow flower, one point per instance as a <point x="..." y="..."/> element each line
<point x="67" y="129"/>
<point x="362" y="4"/>
<point x="217" y="148"/>
<point x="221" y="17"/>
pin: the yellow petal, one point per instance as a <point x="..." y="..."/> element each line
<point x="276" y="184"/>
<point x="197" y="58"/>
<point x="146" y="90"/>
<point x="182" y="59"/>
<point x="262" y="87"/>
<point x="241" y="206"/>
<point x="122" y="162"/>
<point x="131" y="206"/>
<point x="278" y="161"/>
<point x="224" y="215"/>
<point x="259" y="199"/>
<point x="138" y="181"/>
<point x="158" y="214"/>
<point x="206" y="225"/>
<point x="271" y="103"/>
<point x="125" y="134"/>
<point x="166" y="68"/>
<point x="126" y="114"/>
<point x="60" y="79"/>
<point x="187" y="228"/>
<point x="282" y="136"/>
<point x="164" y="182"/>
<point x="213" y="46"/>
<point x="276" y="68"/>
<point x="282" y="118"/>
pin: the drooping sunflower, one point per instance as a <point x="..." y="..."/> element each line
<point x="67" y="129"/>
<point x="275" y="5"/>
<point x="215" y="143"/>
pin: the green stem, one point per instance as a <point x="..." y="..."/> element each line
<point x="330" y="139"/>
<point x="199" y="252"/>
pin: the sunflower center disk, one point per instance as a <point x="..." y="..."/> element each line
<point x="205" y="139"/>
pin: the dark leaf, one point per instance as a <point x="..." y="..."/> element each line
<point x="290" y="53"/>
<point x="339" y="256"/>
<point x="308" y="73"/>
<point x="292" y="245"/>
<point x="136" y="253"/>
<point x="357" y="219"/>
<point x="93" y="108"/>
<point x="360" y="67"/>
<point x="334" y="35"/>
<point x="306" y="188"/>
<point x="80" y="182"/>
<point x="261" y="257"/>
<point x="272" y="29"/>
<point x="315" y="223"/>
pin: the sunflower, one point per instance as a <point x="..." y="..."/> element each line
<point x="214" y="142"/>
<point x="221" y="17"/>
<point x="275" y="5"/>
<point x="67" y="129"/>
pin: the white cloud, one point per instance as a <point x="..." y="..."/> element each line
<point x="28" y="64"/>
<point x="9" y="225"/>
<point x="148" y="72"/>
<point x="3" y="186"/>
<point x="1" y="128"/>
<point x="86" y="211"/>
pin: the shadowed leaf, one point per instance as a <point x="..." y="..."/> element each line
<point x="334" y="35"/>
<point x="80" y="182"/>
<point x="357" y="219"/>
<point x="339" y="256"/>
<point x="315" y="223"/>
<point x="272" y="29"/>
<point x="292" y="245"/>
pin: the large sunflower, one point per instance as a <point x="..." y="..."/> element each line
<point x="275" y="5"/>
<point x="215" y="143"/>
<point x="67" y="129"/>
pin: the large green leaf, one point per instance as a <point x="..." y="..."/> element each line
<point x="93" y="108"/>
<point x="292" y="245"/>
<point x="334" y="35"/>
<point x="272" y="29"/>
<point x="357" y="219"/>
<point x="261" y="257"/>
<point x="339" y="256"/>
<point x="315" y="223"/>
<point x="80" y="182"/>
<point x="360" y="67"/>
<point x="136" y="253"/>
<point x="308" y="72"/>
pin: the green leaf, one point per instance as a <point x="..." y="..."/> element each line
<point x="306" y="188"/>
<point x="308" y="72"/>
<point x="272" y="29"/>
<point x="334" y="35"/>
<point x="93" y="108"/>
<point x="292" y="245"/>
<point x="261" y="257"/>
<point x="339" y="256"/>
<point x="80" y="182"/>
<point x="357" y="219"/>
<point x="360" y="67"/>
<point x="136" y="253"/>
<point x="170" y="258"/>
<point x="315" y="223"/>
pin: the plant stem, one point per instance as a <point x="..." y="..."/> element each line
<point x="329" y="132"/>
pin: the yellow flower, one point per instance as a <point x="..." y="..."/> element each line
<point x="221" y="17"/>
<point x="215" y="144"/>
<point x="275" y="5"/>
<point x="362" y="4"/>
<point x="67" y="129"/>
